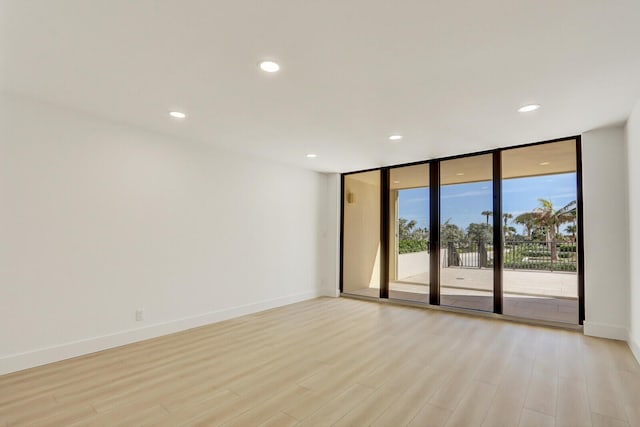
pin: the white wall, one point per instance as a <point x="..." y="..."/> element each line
<point x="361" y="235"/>
<point x="331" y="285"/>
<point x="606" y="240"/>
<point x="98" y="219"/>
<point x="412" y="264"/>
<point x="633" y="158"/>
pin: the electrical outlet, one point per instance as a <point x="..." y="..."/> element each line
<point x="140" y="315"/>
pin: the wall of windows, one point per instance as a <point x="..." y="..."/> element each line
<point x="497" y="231"/>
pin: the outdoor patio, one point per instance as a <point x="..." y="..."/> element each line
<point x="542" y="295"/>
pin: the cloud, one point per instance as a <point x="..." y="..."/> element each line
<point x="520" y="190"/>
<point x="467" y="194"/>
<point x="563" y="196"/>
<point x="415" y="200"/>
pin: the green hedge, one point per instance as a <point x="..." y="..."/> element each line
<point x="540" y="266"/>
<point x="537" y="247"/>
<point x="535" y="253"/>
<point x="413" y="245"/>
<point x="546" y="254"/>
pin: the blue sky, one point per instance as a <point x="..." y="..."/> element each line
<point x="463" y="203"/>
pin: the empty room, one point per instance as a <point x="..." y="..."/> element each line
<point x="319" y="213"/>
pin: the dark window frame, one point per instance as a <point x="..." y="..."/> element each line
<point x="434" y="222"/>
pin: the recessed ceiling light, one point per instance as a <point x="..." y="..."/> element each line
<point x="545" y="163"/>
<point x="269" y="66"/>
<point x="396" y="182"/>
<point x="395" y="137"/>
<point x="528" y="108"/>
<point x="312" y="156"/>
<point x="460" y="173"/>
<point x="177" y="114"/>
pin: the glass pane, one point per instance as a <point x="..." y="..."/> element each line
<point x="409" y="233"/>
<point x="466" y="232"/>
<point x="539" y="190"/>
<point x="361" y="261"/>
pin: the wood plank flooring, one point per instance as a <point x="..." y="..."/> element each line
<point x="338" y="362"/>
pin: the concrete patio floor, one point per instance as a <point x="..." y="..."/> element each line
<point x="526" y="282"/>
<point x="551" y="296"/>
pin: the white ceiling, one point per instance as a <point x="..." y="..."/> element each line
<point x="448" y="76"/>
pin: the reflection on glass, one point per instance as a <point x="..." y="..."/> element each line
<point x="361" y="247"/>
<point x="409" y="233"/>
<point x="466" y="232"/>
<point x="540" y="226"/>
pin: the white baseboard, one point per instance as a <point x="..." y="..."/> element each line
<point x="29" y="359"/>
<point x="334" y="293"/>
<point x="604" y="330"/>
<point x="635" y="348"/>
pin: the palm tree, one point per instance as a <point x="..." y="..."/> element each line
<point x="406" y="228"/>
<point x="528" y="220"/>
<point x="451" y="232"/>
<point x="506" y="216"/>
<point x="487" y="214"/>
<point x="510" y="231"/>
<point x="479" y="233"/>
<point x="551" y="219"/>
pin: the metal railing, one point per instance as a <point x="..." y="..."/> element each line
<point x="540" y="255"/>
<point x="517" y="255"/>
<point x="467" y="254"/>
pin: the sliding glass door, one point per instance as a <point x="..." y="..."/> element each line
<point x="466" y="232"/>
<point x="409" y="233"/>
<point x="539" y="199"/>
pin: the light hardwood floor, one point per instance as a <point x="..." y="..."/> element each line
<point x="339" y="362"/>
